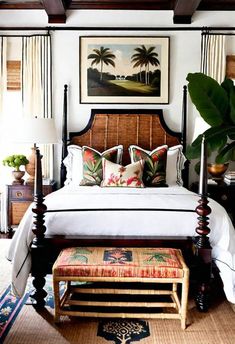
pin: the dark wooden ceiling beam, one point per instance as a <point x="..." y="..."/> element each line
<point x="217" y="5"/>
<point x="21" y="5"/>
<point x="55" y="10"/>
<point x="184" y="11"/>
<point x="122" y="4"/>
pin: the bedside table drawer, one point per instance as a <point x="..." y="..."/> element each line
<point x="17" y="211"/>
<point x="19" y="198"/>
<point x="21" y="193"/>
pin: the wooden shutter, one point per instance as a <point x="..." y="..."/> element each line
<point x="13" y="75"/>
<point x="230" y="66"/>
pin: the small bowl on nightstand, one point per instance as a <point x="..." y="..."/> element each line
<point x="217" y="170"/>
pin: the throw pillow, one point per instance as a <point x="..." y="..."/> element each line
<point x="92" y="163"/>
<point x="155" y="164"/>
<point x="124" y="176"/>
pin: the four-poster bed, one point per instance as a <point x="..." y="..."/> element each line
<point x="119" y="217"/>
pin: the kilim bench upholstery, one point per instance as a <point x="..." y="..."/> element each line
<point x="121" y="282"/>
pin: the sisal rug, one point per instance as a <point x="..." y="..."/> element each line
<point x="29" y="327"/>
<point x="214" y="327"/>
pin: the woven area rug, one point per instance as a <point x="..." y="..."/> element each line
<point x="26" y="326"/>
<point x="21" y="324"/>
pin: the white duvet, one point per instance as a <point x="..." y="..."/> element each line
<point x="154" y="221"/>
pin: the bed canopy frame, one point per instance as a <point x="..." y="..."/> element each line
<point x="197" y="250"/>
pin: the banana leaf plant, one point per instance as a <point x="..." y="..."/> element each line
<point x="216" y="105"/>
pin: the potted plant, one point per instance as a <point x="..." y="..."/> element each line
<point x="216" y="104"/>
<point x="16" y="161"/>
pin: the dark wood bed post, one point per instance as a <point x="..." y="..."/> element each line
<point x="38" y="247"/>
<point x="202" y="244"/>
<point x="64" y="138"/>
<point x="185" y="171"/>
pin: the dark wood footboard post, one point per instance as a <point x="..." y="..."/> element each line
<point x="202" y="244"/>
<point x="38" y="248"/>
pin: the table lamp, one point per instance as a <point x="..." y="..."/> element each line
<point x="34" y="131"/>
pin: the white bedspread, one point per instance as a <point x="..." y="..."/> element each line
<point x="159" y="222"/>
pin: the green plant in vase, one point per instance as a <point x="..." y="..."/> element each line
<point x="15" y="161"/>
<point x="216" y="105"/>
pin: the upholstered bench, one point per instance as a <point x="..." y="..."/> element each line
<point x="121" y="282"/>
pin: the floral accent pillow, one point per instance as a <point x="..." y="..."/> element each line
<point x="155" y="164"/>
<point x="124" y="176"/>
<point x="92" y="163"/>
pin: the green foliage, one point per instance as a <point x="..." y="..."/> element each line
<point x="216" y="105"/>
<point x="15" y="160"/>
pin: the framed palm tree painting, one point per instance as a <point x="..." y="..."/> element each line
<point x="121" y="69"/>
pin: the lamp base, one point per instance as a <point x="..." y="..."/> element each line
<point x="30" y="167"/>
<point x="30" y="181"/>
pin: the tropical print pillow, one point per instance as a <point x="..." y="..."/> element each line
<point x="124" y="176"/>
<point x="155" y="164"/>
<point x="92" y="163"/>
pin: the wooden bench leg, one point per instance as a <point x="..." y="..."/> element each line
<point x="184" y="299"/>
<point x="56" y="287"/>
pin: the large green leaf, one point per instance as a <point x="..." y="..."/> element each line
<point x="210" y="99"/>
<point x="216" y="138"/>
<point x="226" y="154"/>
<point x="230" y="89"/>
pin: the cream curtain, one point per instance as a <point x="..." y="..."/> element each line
<point x="36" y="87"/>
<point x="3" y="70"/>
<point x="213" y="56"/>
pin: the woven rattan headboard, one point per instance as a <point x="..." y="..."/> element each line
<point x="108" y="128"/>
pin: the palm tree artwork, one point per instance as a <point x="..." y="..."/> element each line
<point x="102" y="56"/>
<point x="129" y="70"/>
<point x="144" y="57"/>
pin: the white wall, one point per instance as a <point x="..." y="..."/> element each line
<point x="184" y="56"/>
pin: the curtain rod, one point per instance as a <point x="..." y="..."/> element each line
<point x="91" y="28"/>
<point x="43" y="34"/>
<point x="219" y="33"/>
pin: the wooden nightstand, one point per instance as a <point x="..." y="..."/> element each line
<point x="223" y="193"/>
<point x="19" y="197"/>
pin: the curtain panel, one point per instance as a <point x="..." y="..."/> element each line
<point x="37" y="87"/>
<point x="3" y="70"/>
<point x="213" y="56"/>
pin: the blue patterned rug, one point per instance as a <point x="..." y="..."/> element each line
<point x="117" y="331"/>
<point x="10" y="307"/>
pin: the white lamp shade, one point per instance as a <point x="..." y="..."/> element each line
<point x="35" y="130"/>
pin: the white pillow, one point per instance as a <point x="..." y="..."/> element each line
<point x="74" y="165"/>
<point x="174" y="165"/>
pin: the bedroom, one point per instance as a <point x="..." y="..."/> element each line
<point x="66" y="60"/>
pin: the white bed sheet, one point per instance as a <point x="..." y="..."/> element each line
<point x="172" y="223"/>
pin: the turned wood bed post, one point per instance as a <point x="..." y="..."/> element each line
<point x="185" y="172"/>
<point x="38" y="247"/>
<point x="64" y="139"/>
<point x="202" y="244"/>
